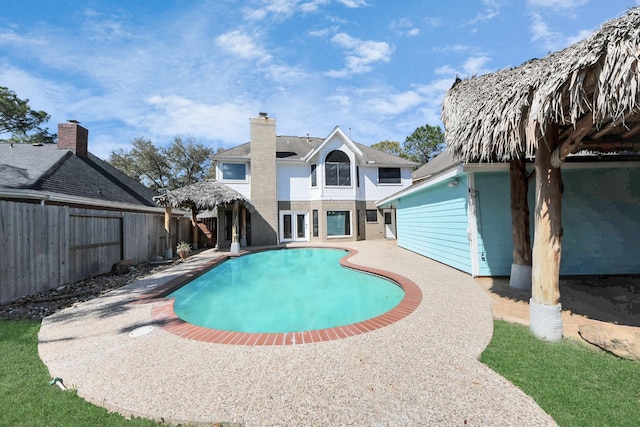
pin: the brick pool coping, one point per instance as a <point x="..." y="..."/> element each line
<point x="164" y="315"/>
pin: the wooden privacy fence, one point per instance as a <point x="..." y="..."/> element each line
<point x="46" y="246"/>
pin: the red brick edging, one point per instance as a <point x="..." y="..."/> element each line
<point x="164" y="315"/>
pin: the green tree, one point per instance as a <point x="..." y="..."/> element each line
<point x="423" y="144"/>
<point x="190" y="161"/>
<point x="19" y="122"/>
<point x="391" y="147"/>
<point x="164" y="168"/>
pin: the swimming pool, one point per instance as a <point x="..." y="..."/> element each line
<point x="280" y="291"/>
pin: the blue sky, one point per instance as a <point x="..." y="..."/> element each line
<point x="378" y="69"/>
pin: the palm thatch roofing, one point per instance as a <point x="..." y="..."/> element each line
<point x="591" y="90"/>
<point x="204" y="195"/>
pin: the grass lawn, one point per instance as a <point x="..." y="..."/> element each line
<point x="27" y="399"/>
<point x="575" y="384"/>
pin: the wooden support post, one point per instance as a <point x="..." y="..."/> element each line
<point x="243" y="226"/>
<point x="235" y="241"/>
<point x="168" y="246"/>
<point x="194" y="223"/>
<point x="545" y="308"/>
<point x="520" y="229"/>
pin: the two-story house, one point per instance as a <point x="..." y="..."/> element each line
<point x="309" y="189"/>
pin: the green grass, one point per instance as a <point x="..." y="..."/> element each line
<point x="575" y="384"/>
<point x="27" y="399"/>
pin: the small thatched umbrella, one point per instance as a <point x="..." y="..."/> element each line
<point x="205" y="195"/>
<point x="585" y="97"/>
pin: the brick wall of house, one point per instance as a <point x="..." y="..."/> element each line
<point x="264" y="221"/>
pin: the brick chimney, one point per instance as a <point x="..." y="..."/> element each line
<point x="72" y="136"/>
<point x="264" y="230"/>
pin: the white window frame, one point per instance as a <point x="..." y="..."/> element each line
<point x="223" y="179"/>
<point x="337" y="236"/>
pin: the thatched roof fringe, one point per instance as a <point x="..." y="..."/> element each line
<point x="487" y="117"/>
<point x="204" y="195"/>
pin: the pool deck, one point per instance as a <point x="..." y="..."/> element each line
<point x="422" y="369"/>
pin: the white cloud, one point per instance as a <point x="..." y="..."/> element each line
<point x="558" y="4"/>
<point x="175" y="115"/>
<point x="549" y="40"/>
<point x="312" y="6"/>
<point x="460" y="49"/>
<point x="446" y="70"/>
<point x="103" y="27"/>
<point x="284" y="9"/>
<point x="472" y="66"/>
<point x="475" y="65"/>
<point x="404" y="27"/>
<point x="280" y="9"/>
<point x="353" y="3"/>
<point x="241" y="45"/>
<point x="361" y="54"/>
<point x="394" y="104"/>
<point x="491" y="10"/>
<point x="42" y="94"/>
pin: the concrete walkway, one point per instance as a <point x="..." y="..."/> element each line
<point x="422" y="370"/>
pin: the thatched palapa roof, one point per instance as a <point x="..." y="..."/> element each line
<point x="590" y="89"/>
<point x="202" y="195"/>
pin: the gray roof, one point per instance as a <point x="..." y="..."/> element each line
<point x="297" y="147"/>
<point x="45" y="168"/>
<point x="440" y="163"/>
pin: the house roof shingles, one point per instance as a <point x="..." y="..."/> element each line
<point x="45" y="168"/>
<point x="440" y="163"/>
<point x="297" y="147"/>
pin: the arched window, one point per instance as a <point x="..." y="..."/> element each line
<point x="337" y="169"/>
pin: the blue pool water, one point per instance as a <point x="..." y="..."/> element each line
<point x="288" y="290"/>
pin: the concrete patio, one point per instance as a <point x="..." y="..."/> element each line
<point x="422" y="370"/>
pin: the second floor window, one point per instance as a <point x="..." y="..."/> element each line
<point x="337" y="169"/>
<point x="234" y="172"/>
<point x="314" y="175"/>
<point x="389" y="176"/>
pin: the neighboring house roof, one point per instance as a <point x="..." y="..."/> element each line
<point x="47" y="169"/>
<point x="441" y="167"/>
<point x="298" y="147"/>
<point x="435" y="166"/>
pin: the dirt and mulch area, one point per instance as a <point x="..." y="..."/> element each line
<point x="42" y="304"/>
<point x="603" y="311"/>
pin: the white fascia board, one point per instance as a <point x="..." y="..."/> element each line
<point x="486" y="167"/>
<point x="236" y="159"/>
<point x="76" y="200"/>
<point x="337" y="131"/>
<point x="387" y="165"/>
<point x="295" y="161"/>
<point x="388" y="201"/>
